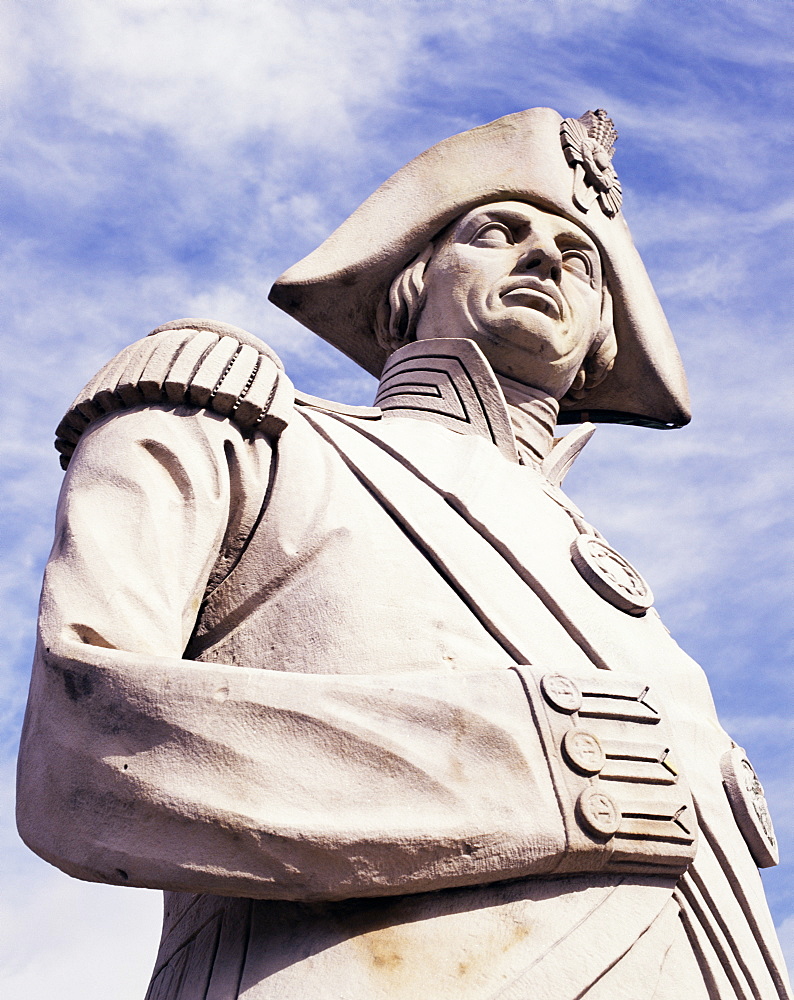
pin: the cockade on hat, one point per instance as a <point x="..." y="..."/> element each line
<point x="589" y="143"/>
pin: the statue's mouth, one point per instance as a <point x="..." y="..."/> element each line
<point x="534" y="295"/>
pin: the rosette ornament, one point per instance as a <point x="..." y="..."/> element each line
<point x="589" y="143"/>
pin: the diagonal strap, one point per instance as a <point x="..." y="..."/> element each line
<point x="503" y="603"/>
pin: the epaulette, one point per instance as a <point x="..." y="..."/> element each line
<point x="197" y="362"/>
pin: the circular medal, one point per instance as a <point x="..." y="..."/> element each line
<point x="746" y="796"/>
<point x="610" y="575"/>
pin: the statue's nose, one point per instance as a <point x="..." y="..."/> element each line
<point x="542" y="256"/>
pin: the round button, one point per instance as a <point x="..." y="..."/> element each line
<point x="598" y="812"/>
<point x="610" y="575"/>
<point x="561" y="692"/>
<point x="583" y="751"/>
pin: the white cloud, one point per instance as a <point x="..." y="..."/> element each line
<point x="77" y="941"/>
<point x="786" y="935"/>
<point x="171" y="158"/>
<point x="210" y="71"/>
<point x="65" y="938"/>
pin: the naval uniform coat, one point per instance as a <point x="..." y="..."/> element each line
<point x="347" y="698"/>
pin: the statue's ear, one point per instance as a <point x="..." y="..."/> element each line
<point x="601" y="357"/>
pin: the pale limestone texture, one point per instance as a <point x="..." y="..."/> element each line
<point x="360" y="687"/>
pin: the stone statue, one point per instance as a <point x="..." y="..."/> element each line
<point x="359" y="687"/>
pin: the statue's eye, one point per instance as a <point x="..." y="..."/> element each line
<point x="578" y="263"/>
<point x="493" y="234"/>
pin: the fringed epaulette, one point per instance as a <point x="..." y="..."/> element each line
<point x="193" y="361"/>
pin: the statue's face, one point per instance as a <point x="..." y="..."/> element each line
<point x="524" y="284"/>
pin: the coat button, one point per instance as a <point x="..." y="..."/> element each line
<point x="583" y="751"/>
<point x="561" y="692"/>
<point x="598" y="812"/>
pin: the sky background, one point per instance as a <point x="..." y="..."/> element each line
<point x="170" y="159"/>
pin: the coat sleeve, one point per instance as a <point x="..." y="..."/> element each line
<point x="138" y="767"/>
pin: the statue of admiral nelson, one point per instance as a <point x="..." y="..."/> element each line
<point x="360" y="687"/>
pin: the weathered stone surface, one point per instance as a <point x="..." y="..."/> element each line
<point x="360" y="687"/>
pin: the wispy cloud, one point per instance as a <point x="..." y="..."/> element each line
<point x="51" y="924"/>
<point x="172" y="159"/>
<point x="786" y="934"/>
<point x="211" y="72"/>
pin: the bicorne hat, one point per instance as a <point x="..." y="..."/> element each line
<point x="560" y="165"/>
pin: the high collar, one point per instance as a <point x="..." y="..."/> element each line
<point x="449" y="381"/>
<point x="533" y="414"/>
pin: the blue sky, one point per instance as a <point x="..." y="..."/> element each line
<point x="171" y="159"/>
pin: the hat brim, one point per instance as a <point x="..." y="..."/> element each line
<point x="336" y="290"/>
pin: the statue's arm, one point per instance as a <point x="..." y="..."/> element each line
<point x="139" y="767"/>
<point x="145" y="514"/>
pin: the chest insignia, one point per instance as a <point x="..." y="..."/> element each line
<point x="746" y="796"/>
<point x="610" y="575"/>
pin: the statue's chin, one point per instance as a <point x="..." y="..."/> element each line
<point x="528" y="354"/>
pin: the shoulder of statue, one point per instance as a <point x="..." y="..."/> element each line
<point x="197" y="362"/>
<point x="306" y="401"/>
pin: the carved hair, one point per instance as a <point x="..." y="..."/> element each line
<point x="398" y="315"/>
